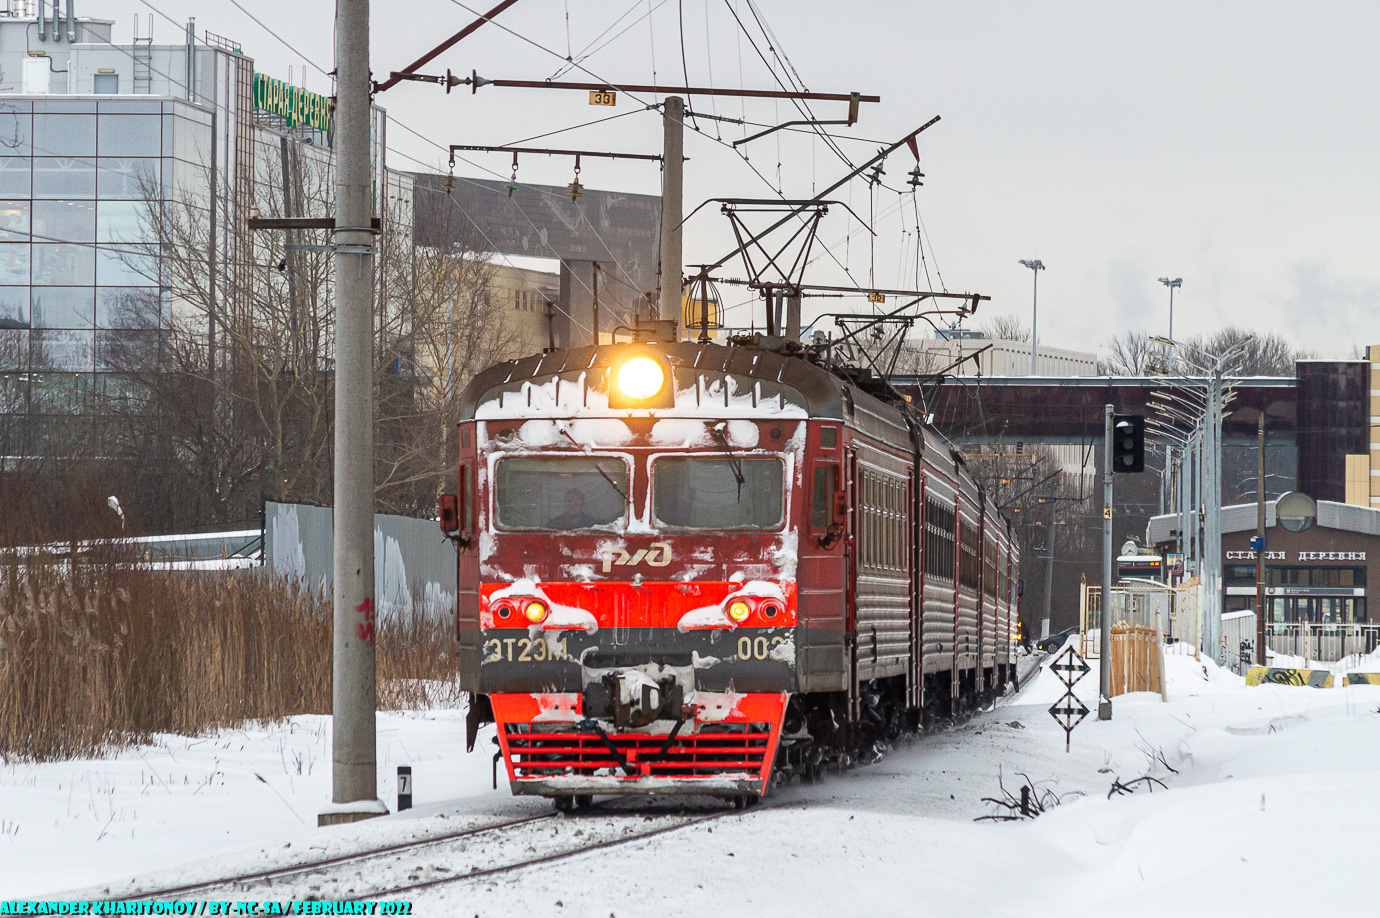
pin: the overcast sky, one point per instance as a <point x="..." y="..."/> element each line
<point x="1234" y="145"/>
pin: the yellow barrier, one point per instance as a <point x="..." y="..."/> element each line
<point x="1317" y="678"/>
<point x="1362" y="679"/>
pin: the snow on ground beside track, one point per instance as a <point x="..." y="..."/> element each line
<point x="65" y="825"/>
<point x="1274" y="802"/>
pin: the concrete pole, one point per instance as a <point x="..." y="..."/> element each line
<point x="595" y="309"/>
<point x="1260" y="534"/>
<point x="1104" y="702"/>
<point x="354" y="789"/>
<point x="1181" y="502"/>
<point x="1212" y="538"/>
<point x="793" y="316"/>
<point x="1049" y="575"/>
<point x="1194" y="496"/>
<point x="672" y="205"/>
<point x="1034" y="322"/>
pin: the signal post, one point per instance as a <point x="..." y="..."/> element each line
<point x="1123" y="451"/>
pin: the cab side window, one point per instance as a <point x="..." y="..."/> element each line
<point x="822" y="496"/>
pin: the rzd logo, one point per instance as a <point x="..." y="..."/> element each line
<point x="659" y="555"/>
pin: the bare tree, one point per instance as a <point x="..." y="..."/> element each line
<point x="444" y="324"/>
<point x="1005" y="328"/>
<point x="1264" y="354"/>
<point x="238" y="403"/>
<point x="1132" y="353"/>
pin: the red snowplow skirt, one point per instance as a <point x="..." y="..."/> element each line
<point x="727" y="749"/>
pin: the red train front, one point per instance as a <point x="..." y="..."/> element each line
<point x="627" y="585"/>
<point x="691" y="568"/>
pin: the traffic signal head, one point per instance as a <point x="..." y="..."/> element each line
<point x="1128" y="443"/>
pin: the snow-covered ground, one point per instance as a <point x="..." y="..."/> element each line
<point x="1275" y="806"/>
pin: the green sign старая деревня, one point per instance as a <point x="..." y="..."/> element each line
<point x="293" y="103"/>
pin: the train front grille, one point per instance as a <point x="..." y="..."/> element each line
<point x="721" y="750"/>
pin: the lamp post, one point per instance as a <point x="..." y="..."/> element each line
<point x="1171" y="284"/>
<point x="1205" y="415"/>
<point x="1036" y="266"/>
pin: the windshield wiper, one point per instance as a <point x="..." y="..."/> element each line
<point x="717" y="432"/>
<point x="595" y="462"/>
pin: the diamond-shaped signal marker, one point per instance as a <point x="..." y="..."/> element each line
<point x="1068" y="712"/>
<point x="1069" y="667"/>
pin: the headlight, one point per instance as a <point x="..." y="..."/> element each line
<point x="535" y="611"/>
<point x="739" y="611"/>
<point x="641" y="378"/>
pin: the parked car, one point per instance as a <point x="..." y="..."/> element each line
<point x="1056" y="640"/>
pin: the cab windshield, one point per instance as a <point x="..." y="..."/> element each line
<point x="560" y="493"/>
<point x="718" y="493"/>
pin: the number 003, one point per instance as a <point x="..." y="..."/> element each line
<point x="753" y="648"/>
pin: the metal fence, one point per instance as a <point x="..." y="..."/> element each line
<point x="1316" y="643"/>
<point x="1237" y="652"/>
<point x="1140" y="616"/>
<point x="414" y="565"/>
<point x="1185" y="633"/>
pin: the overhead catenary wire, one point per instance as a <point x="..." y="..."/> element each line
<point x="590" y="50"/>
<point x="593" y="229"/>
<point x="614" y="85"/>
<point x="791" y="79"/>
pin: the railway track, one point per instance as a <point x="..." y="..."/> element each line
<point x="455" y="857"/>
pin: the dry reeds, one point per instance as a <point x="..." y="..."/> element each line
<point x="98" y="652"/>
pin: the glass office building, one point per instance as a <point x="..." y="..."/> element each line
<point x="79" y="280"/>
<point x="100" y="141"/>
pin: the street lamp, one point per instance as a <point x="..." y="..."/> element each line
<point x="1036" y="266"/>
<point x="1203" y="413"/>
<point x="1171" y="284"/>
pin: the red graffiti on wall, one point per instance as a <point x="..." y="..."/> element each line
<point x="365" y="629"/>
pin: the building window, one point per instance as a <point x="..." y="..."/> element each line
<point x="14" y="221"/>
<point x="130" y="135"/>
<point x="64" y="265"/>
<point x="127" y="178"/>
<point x="65" y="135"/>
<point x="129" y="307"/>
<point x="106" y="84"/>
<point x="63" y="307"/>
<point x="16" y="129"/>
<point x="58" y="177"/>
<point x="15" y="175"/>
<point x="64" y="221"/>
<point x="14" y="349"/>
<point x="14" y="263"/>
<point x="63" y="351"/>
<point x="14" y="307"/>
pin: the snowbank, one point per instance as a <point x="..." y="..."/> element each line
<point x="1269" y="803"/>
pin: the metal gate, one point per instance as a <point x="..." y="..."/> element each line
<point x="1140" y="617"/>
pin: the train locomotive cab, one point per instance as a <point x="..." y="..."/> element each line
<point x="689" y="568"/>
<point x="629" y="530"/>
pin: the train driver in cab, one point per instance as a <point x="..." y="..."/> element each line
<point x="575" y="515"/>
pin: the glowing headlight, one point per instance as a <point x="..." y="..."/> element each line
<point x="739" y="611"/>
<point x="640" y="378"/>
<point x="535" y="611"/>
